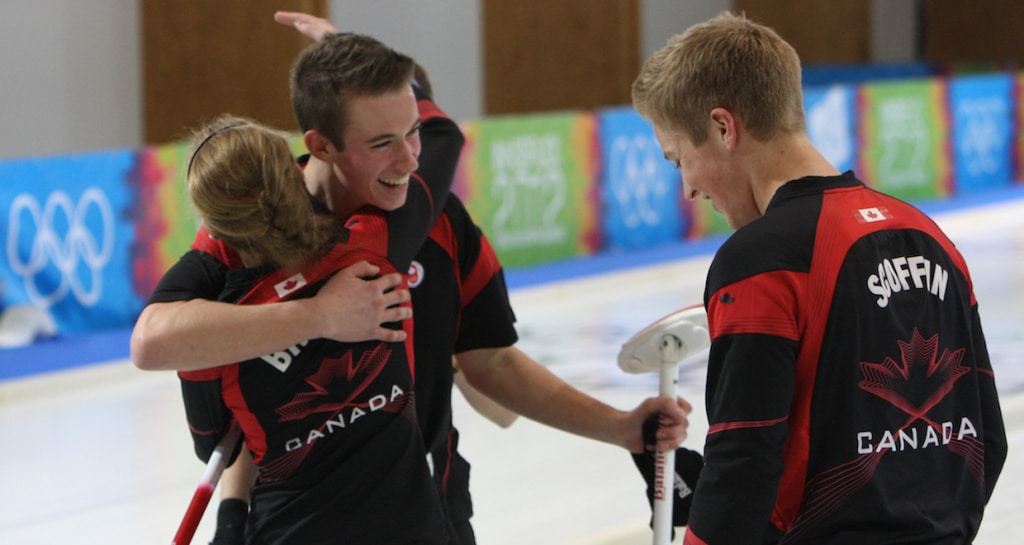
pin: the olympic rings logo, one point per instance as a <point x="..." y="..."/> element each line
<point x="640" y="180"/>
<point x="78" y="246"/>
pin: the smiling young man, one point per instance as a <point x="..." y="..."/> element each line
<point x="463" y="293"/>
<point x="837" y="414"/>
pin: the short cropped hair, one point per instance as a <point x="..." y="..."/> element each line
<point x="330" y="72"/>
<point x="730" y="62"/>
<point x="248" y="191"/>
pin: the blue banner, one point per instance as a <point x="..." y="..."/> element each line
<point x="831" y="123"/>
<point x="640" y="190"/>
<point x="982" y="110"/>
<point x="66" y="231"/>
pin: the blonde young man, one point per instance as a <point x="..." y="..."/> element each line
<point x="850" y="394"/>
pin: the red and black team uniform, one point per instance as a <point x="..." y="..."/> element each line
<point x="332" y="426"/>
<point x="850" y="394"/>
<point x="456" y="285"/>
<point x="461" y="303"/>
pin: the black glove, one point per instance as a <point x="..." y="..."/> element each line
<point x="231" y="517"/>
<point x="687" y="469"/>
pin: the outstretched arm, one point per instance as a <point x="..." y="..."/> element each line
<point x="515" y="380"/>
<point x="490" y="409"/>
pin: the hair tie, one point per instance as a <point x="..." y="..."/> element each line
<point x="188" y="171"/>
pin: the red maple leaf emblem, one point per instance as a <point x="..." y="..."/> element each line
<point x="919" y="380"/>
<point x="371" y="363"/>
<point x="289" y="285"/>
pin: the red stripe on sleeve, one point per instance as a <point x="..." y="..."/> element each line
<point x="429" y="110"/>
<point x="725" y="426"/>
<point x="486" y="267"/>
<point x="691" y="539"/>
<point x="761" y="304"/>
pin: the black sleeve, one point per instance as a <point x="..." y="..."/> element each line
<point x="487" y="319"/>
<point x="208" y="417"/>
<point x="441" y="145"/>
<point x="197" y="275"/>
<point x="994" y="434"/>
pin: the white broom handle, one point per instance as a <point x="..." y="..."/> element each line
<point x="211" y="476"/>
<point x="665" y="462"/>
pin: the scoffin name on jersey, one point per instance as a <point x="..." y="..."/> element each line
<point x="901" y="274"/>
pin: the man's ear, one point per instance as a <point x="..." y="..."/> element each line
<point x="725" y="126"/>
<point x="318" y="145"/>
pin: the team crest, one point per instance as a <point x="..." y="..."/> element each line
<point x="415" y="274"/>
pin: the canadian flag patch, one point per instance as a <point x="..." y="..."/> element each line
<point x="289" y="285"/>
<point x="873" y="214"/>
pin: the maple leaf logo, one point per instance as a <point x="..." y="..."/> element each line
<point x="316" y="400"/>
<point x="920" y="380"/>
<point x="871" y="215"/>
<point x="290" y="284"/>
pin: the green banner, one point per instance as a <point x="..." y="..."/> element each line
<point x="708" y="220"/>
<point x="905" y="138"/>
<point x="528" y="181"/>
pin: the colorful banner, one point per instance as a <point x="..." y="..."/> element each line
<point x="708" y="221"/>
<point x="528" y="181"/>
<point x="904" y="138"/>
<point x="67" y="235"/>
<point x="982" y="110"/>
<point x="831" y="123"/>
<point x="640" y="190"/>
<point x="87" y="237"/>
<point x="165" y="222"/>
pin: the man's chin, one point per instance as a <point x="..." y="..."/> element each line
<point x="392" y="201"/>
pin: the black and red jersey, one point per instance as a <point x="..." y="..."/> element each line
<point x="460" y="303"/>
<point x="331" y="426"/>
<point x="850" y="394"/>
<point x="457" y="289"/>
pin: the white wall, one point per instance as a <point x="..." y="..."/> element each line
<point x="893" y="30"/>
<point x="443" y="35"/>
<point x="72" y="79"/>
<point x="663" y="18"/>
<point x="71" y="76"/>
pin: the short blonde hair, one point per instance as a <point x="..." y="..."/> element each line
<point x="248" y="191"/>
<point x="729" y="62"/>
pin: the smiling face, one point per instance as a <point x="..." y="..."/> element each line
<point x="381" y="150"/>
<point x="709" y="172"/>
